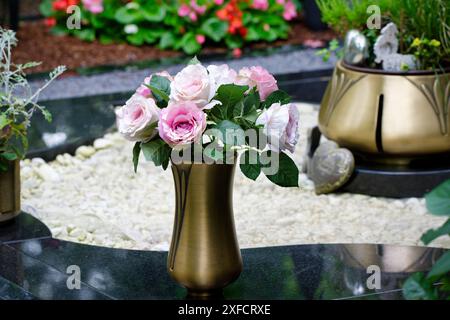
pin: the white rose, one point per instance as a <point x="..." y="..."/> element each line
<point x="222" y="74"/>
<point x="137" y="119"/>
<point x="281" y="126"/>
<point x="194" y="84"/>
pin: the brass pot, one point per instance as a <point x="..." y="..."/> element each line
<point x="10" y="192"/>
<point x="391" y="116"/>
<point x="204" y="255"/>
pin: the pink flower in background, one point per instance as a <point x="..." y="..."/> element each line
<point x="192" y="10"/>
<point x="184" y="10"/>
<point x="260" y="5"/>
<point x="145" y="91"/>
<point x="313" y="43"/>
<point x="290" y="10"/>
<point x="200" y="38"/>
<point x="94" y="6"/>
<point x="218" y="2"/>
<point x="237" y="52"/>
<point x="137" y="119"/>
<point x="281" y="126"/>
<point x="181" y="124"/>
<point x="259" y="77"/>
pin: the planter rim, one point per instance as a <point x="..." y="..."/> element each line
<point x="392" y="73"/>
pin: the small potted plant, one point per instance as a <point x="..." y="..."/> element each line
<point x="17" y="105"/>
<point x="198" y="121"/>
<point x="389" y="97"/>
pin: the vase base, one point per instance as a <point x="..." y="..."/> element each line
<point x="204" y="294"/>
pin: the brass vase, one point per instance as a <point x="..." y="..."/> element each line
<point x="390" y="117"/>
<point x="10" y="192"/>
<point x="204" y="255"/>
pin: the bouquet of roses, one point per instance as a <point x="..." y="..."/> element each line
<point x="211" y="114"/>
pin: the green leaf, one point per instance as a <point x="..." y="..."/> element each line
<point x="229" y="95"/>
<point x="86" y="34"/>
<point x="153" y="12"/>
<point x="232" y="133"/>
<point x="136" y="154"/>
<point x="47" y="115"/>
<point x="167" y="40"/>
<point x="194" y="60"/>
<point x="215" y="29"/>
<point x="287" y="173"/>
<point x="438" y="200"/>
<point x="433" y="234"/>
<point x="214" y="152"/>
<point x="106" y="39"/>
<point x="9" y="156"/>
<point x="157" y="151"/>
<point x="441" y="267"/>
<point x="417" y="287"/>
<point x="45" y="8"/>
<point x="250" y="170"/>
<point x="278" y="96"/>
<point x="3" y="121"/>
<point x="126" y="15"/>
<point x="160" y="87"/>
<point x="189" y="43"/>
<point x="136" y="39"/>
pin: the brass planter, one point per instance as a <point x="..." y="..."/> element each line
<point x="10" y="192"/>
<point x="387" y="116"/>
<point x="204" y="255"/>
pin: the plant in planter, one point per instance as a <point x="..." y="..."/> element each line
<point x="389" y="97"/>
<point x="199" y="120"/>
<point x="17" y="105"/>
<point x="436" y="284"/>
<point x="177" y="24"/>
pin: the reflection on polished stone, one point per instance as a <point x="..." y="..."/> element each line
<point x="290" y="272"/>
<point x="23" y="227"/>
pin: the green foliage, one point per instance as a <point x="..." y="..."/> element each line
<point x="333" y="47"/>
<point x="157" y="151"/>
<point x="16" y="111"/>
<point x="436" y="284"/>
<point x="160" y="87"/>
<point x="174" y="31"/>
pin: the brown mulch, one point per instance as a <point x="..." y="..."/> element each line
<point x="37" y="44"/>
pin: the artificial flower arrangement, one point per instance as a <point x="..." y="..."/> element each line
<point x="178" y="24"/>
<point x="219" y="112"/>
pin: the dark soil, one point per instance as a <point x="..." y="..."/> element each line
<point x="37" y="44"/>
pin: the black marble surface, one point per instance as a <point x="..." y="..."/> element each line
<point x="35" y="266"/>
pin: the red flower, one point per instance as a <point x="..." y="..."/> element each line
<point x="50" y="22"/>
<point x="62" y="5"/>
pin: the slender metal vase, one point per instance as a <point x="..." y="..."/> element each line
<point x="10" y="192"/>
<point x="204" y="256"/>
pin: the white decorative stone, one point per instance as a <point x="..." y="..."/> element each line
<point x="100" y="144"/>
<point x="47" y="173"/>
<point x="356" y="47"/>
<point x="85" y="151"/>
<point x="54" y="139"/>
<point x="399" y="62"/>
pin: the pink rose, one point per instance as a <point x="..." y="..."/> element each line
<point x="137" y="119"/>
<point x="260" y="4"/>
<point x="194" y="84"/>
<point x="184" y="10"/>
<point x="94" y="6"/>
<point x="181" y="124"/>
<point x="259" y="77"/>
<point x="281" y="126"/>
<point x="145" y="91"/>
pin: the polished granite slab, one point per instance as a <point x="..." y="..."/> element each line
<point x="35" y="266"/>
<point x="23" y="227"/>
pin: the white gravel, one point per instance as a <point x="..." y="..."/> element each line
<point x="95" y="198"/>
